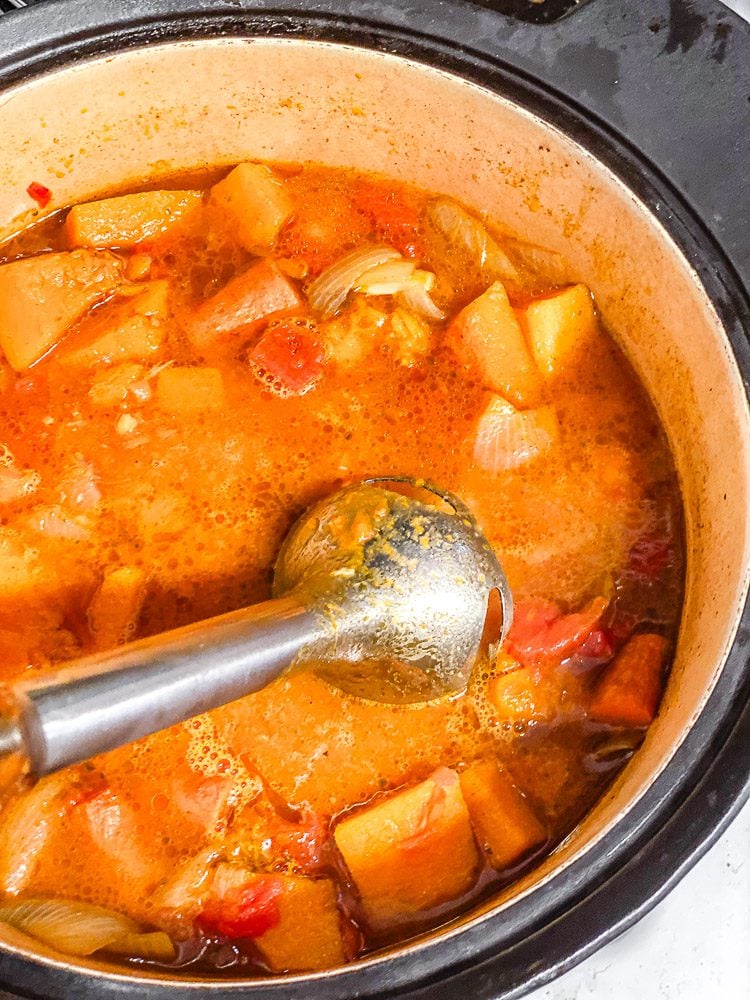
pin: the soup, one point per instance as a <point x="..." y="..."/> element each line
<point x="187" y="368"/>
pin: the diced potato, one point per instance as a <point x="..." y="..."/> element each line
<point x="348" y="338"/>
<point x="487" y="336"/>
<point x="115" y="607"/>
<point x="507" y="438"/>
<point x="411" y="336"/>
<point x="505" y="824"/>
<point x="128" y="219"/>
<point x="628" y="693"/>
<point x="516" y="694"/>
<point x="190" y="390"/>
<point x="117" y="830"/>
<point x="128" y="329"/>
<point x="410" y="851"/>
<point x="40" y="297"/>
<point x="252" y="297"/>
<point x="559" y="328"/>
<point x="308" y="935"/>
<point x="255" y="203"/>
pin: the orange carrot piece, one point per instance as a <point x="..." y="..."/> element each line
<point x="410" y="851"/>
<point x="40" y="297"/>
<point x="128" y="219"/>
<point x="486" y="336"/>
<point x="505" y="824"/>
<point x="628" y="693"/>
<point x="255" y="295"/>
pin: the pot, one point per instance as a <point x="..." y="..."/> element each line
<point x="543" y="126"/>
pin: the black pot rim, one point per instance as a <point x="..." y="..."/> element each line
<point x="708" y="778"/>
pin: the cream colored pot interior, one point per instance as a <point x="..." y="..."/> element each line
<point x="113" y="121"/>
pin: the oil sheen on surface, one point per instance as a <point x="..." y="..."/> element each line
<point x="147" y="481"/>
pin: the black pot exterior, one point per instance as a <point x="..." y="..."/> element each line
<point x="660" y="92"/>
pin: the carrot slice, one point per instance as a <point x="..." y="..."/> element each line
<point x="505" y="824"/>
<point x="40" y="297"/>
<point x="248" y="299"/>
<point x="628" y="693"/>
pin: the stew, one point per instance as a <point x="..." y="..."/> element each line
<point x="186" y="368"/>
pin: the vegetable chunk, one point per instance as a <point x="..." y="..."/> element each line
<point x="559" y="328"/>
<point x="258" y="294"/>
<point x="486" y="336"/>
<point x="40" y="297"/>
<point x="288" y="358"/>
<point x="129" y="219"/>
<point x="255" y="203"/>
<point x="411" y="851"/>
<point x="508" y="438"/>
<point x="504" y="822"/>
<point x="293" y="920"/>
<point x="128" y="329"/>
<point x="115" y="607"/>
<point x="628" y="693"/>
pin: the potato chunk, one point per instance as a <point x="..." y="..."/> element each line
<point x="40" y="297"/>
<point x="128" y="329"/>
<point x="129" y="219"/>
<point x="254" y="202"/>
<point x="115" y="607"/>
<point x="487" y="337"/>
<point x="410" y="851"/>
<point x="504" y="822"/>
<point x="507" y="438"/>
<point x="559" y="328"/>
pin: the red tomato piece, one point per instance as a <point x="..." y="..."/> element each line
<point x="41" y="194"/>
<point x="288" y="357"/>
<point x="244" y="913"/>
<point x="395" y="221"/>
<point x="541" y="632"/>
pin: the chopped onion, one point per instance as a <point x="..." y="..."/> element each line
<point x="386" y="279"/>
<point x="328" y="292"/>
<point x="81" y="929"/>
<point x="508" y="438"/>
<point x="155" y="946"/>
<point x="416" y="297"/>
<point x="460" y="227"/>
<point x="71" y="927"/>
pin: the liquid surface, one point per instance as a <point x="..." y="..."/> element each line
<point x="135" y="498"/>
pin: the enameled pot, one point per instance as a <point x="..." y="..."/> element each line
<point x="618" y="135"/>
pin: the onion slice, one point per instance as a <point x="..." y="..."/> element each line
<point x="76" y="928"/>
<point x="416" y="297"/>
<point x="328" y="292"/>
<point x="462" y="228"/>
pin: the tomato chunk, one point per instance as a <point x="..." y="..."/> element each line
<point x="288" y="358"/>
<point x="246" y="912"/>
<point x="541" y="632"/>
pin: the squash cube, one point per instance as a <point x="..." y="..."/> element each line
<point x="40" y="297"/>
<point x="254" y="202"/>
<point x="505" y="824"/>
<point x="128" y="219"/>
<point x="487" y="336"/>
<point x="308" y="935"/>
<point x="410" y="851"/>
<point x="559" y="328"/>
